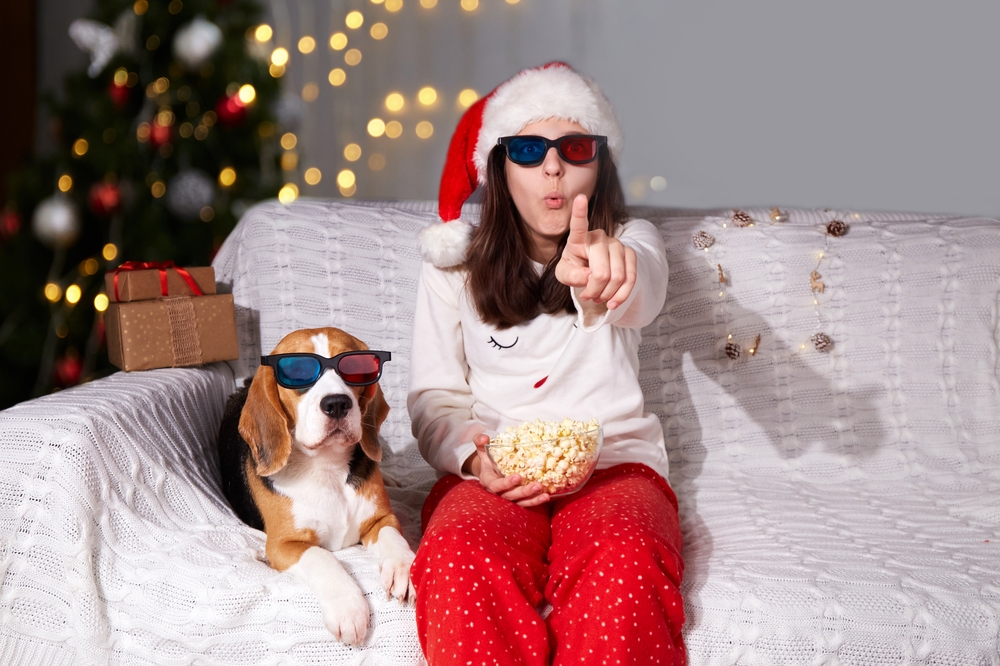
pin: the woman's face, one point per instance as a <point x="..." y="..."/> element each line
<point x="544" y="194"/>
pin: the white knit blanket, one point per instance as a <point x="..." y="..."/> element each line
<point x="838" y="508"/>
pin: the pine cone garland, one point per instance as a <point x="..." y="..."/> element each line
<point x="778" y="215"/>
<point x="836" y="228"/>
<point x="821" y="341"/>
<point x="733" y="350"/>
<point x="703" y="240"/>
<point x="742" y="219"/>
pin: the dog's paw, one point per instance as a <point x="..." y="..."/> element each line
<point x="346" y="617"/>
<point x="395" y="574"/>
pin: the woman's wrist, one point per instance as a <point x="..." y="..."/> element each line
<point x="472" y="465"/>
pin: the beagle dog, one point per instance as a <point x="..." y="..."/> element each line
<point x="299" y="453"/>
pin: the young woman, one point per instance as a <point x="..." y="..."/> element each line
<point x="535" y="313"/>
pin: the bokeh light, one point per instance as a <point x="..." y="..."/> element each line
<point x="352" y="152"/>
<point x="346" y="178"/>
<point x="227" y="176"/>
<point x="467" y="98"/>
<point x="109" y="251"/>
<point x="425" y="129"/>
<point x="279" y="57"/>
<point x="310" y="92"/>
<point x="247" y="94"/>
<point x="288" y="193"/>
<point x="376" y="162"/>
<point x="379" y="31"/>
<point x="393" y="129"/>
<point x="393" y="5"/>
<point x="337" y="76"/>
<point x="470" y="5"/>
<point x="376" y="127"/>
<point x="658" y="183"/>
<point x="427" y="95"/>
<point x="288" y="140"/>
<point x="263" y="33"/>
<point x="338" y="41"/>
<point x="352" y="57"/>
<point x="53" y="292"/>
<point x="394" y="101"/>
<point x="73" y="294"/>
<point x="354" y="20"/>
<point x="428" y="4"/>
<point x="80" y="147"/>
<point x="101" y="302"/>
<point x="313" y="175"/>
<point x="307" y="44"/>
<point x="65" y="183"/>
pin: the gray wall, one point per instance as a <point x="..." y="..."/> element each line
<point x="874" y="104"/>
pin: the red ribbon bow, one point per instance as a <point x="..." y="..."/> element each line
<point x="162" y="266"/>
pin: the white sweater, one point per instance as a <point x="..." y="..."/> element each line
<point x="467" y="377"/>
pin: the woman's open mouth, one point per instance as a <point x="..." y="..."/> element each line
<point x="554" y="200"/>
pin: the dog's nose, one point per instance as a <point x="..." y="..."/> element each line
<point x="335" y="406"/>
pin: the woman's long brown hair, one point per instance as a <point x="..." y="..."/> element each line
<point x="504" y="286"/>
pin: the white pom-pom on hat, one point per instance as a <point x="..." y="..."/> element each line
<point x="554" y="90"/>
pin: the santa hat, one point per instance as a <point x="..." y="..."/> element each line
<point x="554" y="90"/>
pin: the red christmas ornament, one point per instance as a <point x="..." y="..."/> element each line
<point x="231" y="111"/>
<point x="159" y="134"/>
<point x="119" y="94"/>
<point x="68" y="369"/>
<point x="104" y="199"/>
<point x="10" y="223"/>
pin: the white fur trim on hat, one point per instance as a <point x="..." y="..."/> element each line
<point x="556" y="91"/>
<point x="444" y="245"/>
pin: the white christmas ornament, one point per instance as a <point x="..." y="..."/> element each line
<point x="56" y="221"/>
<point x="196" y="41"/>
<point x="102" y="42"/>
<point x="189" y="192"/>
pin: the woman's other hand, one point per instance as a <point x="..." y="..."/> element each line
<point x="603" y="266"/>
<point x="508" y="487"/>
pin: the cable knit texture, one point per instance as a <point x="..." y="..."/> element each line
<point x="838" y="507"/>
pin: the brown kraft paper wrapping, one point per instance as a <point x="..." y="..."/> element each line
<point x="142" y="285"/>
<point x="171" y="332"/>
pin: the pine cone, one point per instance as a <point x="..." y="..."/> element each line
<point x="742" y="219"/>
<point x="703" y="240"/>
<point x="733" y="350"/>
<point x="822" y="341"/>
<point x="836" y="228"/>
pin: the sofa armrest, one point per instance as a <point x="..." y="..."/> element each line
<point x="94" y="476"/>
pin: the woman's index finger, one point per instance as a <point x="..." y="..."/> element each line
<point x="578" y="222"/>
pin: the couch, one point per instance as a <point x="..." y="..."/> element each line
<point x="838" y="506"/>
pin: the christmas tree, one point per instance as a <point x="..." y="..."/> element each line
<point x="163" y="141"/>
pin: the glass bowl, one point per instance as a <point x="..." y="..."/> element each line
<point x="561" y="464"/>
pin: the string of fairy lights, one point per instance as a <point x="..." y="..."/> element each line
<point x="345" y="50"/>
<point x="738" y="219"/>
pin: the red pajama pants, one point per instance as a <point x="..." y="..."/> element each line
<point x="607" y="558"/>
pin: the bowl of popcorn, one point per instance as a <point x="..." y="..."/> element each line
<point x="561" y="455"/>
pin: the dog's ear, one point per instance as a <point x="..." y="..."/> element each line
<point x="374" y="409"/>
<point x="264" y="424"/>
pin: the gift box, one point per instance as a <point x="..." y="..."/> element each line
<point x="173" y="332"/>
<point x="146" y="280"/>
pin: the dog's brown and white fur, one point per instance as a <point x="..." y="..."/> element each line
<point x="303" y="467"/>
